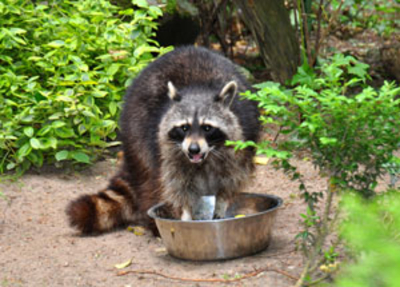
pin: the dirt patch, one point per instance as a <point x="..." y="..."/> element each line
<point x="39" y="249"/>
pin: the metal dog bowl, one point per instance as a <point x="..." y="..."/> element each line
<point x="222" y="238"/>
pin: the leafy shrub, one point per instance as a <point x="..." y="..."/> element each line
<point x="64" y="66"/>
<point x="372" y="231"/>
<point x="348" y="130"/>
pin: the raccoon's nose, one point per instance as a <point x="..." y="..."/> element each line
<point x="194" y="148"/>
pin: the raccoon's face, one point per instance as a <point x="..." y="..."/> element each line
<point x="196" y="137"/>
<point x="200" y="121"/>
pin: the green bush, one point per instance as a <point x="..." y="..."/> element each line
<point x="64" y="66"/>
<point x="372" y="231"/>
<point x="349" y="128"/>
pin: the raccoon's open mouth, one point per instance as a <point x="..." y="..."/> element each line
<point x="197" y="158"/>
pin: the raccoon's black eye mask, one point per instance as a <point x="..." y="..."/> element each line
<point x="178" y="133"/>
<point x="212" y="134"/>
<point x="215" y="136"/>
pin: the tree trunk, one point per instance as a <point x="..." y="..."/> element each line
<point x="268" y="21"/>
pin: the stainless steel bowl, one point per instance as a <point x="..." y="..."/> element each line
<point x="222" y="238"/>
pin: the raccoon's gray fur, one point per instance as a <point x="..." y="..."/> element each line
<point x="178" y="113"/>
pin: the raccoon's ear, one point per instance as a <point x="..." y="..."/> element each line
<point x="228" y="91"/>
<point x="173" y="93"/>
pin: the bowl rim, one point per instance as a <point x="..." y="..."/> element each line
<point x="279" y="200"/>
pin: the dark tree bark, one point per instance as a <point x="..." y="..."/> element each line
<point x="268" y="21"/>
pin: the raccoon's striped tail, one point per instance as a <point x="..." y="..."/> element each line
<point x="106" y="210"/>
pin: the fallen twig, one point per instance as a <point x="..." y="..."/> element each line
<point x="209" y="280"/>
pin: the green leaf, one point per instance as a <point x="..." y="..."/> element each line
<point x="43" y="131"/>
<point x="56" y="116"/>
<point x="83" y="67"/>
<point x="145" y="49"/>
<point x="140" y="3"/>
<point x="11" y="103"/>
<point x="5" y="58"/>
<point x="35" y="143"/>
<point x="305" y="76"/>
<point x="58" y="124"/>
<point x="82" y="129"/>
<point x="27" y="119"/>
<point x="65" y="132"/>
<point x="10" y="166"/>
<point x="155" y="11"/>
<point x="36" y="158"/>
<point x="327" y="141"/>
<point x="126" y="12"/>
<point x="112" y="106"/>
<point x="23" y="151"/>
<point x="81" y="157"/>
<point x="45" y="93"/>
<point x="49" y="143"/>
<point x="360" y="70"/>
<point x="99" y="94"/>
<point x="69" y="93"/>
<point x="17" y="31"/>
<point x="113" y="69"/>
<point x="56" y="44"/>
<point x="62" y="155"/>
<point x="89" y="114"/>
<point x="29" y="131"/>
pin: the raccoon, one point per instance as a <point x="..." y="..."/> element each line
<point x="177" y="116"/>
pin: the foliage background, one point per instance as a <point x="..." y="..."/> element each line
<point x="373" y="241"/>
<point x="64" y="67"/>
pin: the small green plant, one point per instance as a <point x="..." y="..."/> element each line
<point x="372" y="233"/>
<point x="349" y="131"/>
<point x="64" y="66"/>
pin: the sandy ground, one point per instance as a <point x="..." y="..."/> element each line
<point x="38" y="248"/>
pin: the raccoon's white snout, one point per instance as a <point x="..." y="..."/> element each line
<point x="196" y="150"/>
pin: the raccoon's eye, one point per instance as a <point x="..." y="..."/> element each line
<point x="207" y="128"/>
<point x="185" y="128"/>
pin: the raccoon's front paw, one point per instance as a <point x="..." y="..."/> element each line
<point x="186" y="215"/>
<point x="220" y="208"/>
